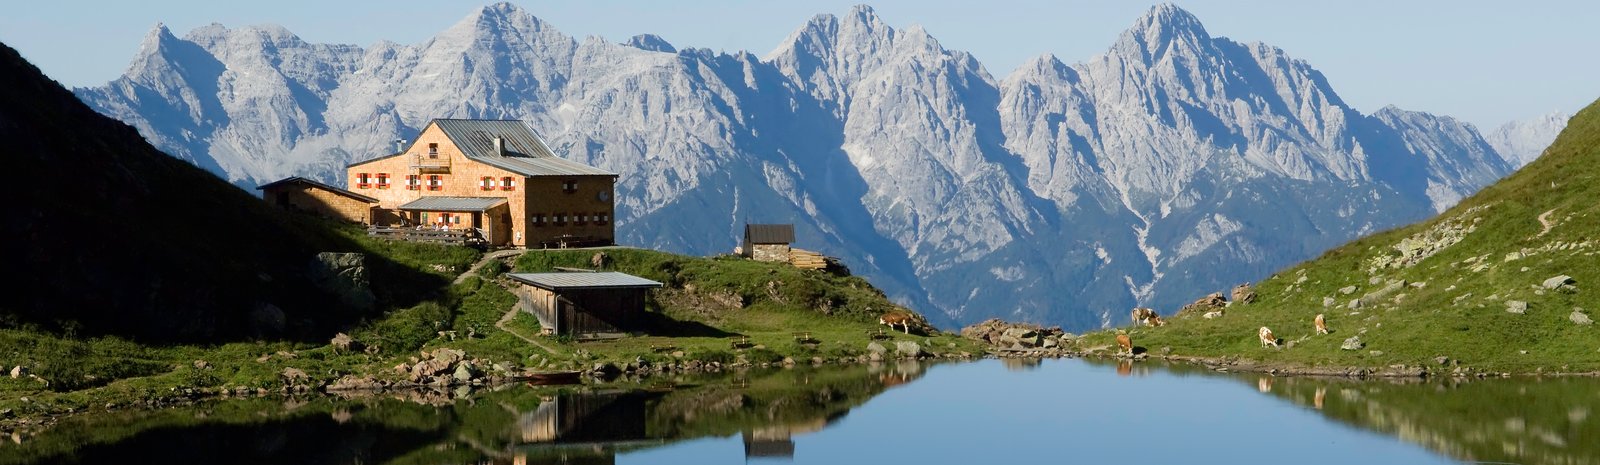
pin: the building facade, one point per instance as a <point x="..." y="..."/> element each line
<point x="301" y="194"/>
<point x="495" y="176"/>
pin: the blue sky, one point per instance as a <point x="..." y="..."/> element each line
<point x="1482" y="61"/>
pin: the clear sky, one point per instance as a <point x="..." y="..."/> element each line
<point x="1486" y="62"/>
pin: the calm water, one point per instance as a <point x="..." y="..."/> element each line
<point x="983" y="412"/>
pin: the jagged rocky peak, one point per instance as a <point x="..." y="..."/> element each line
<point x="503" y="23"/>
<point x="1159" y="29"/>
<point x="1522" y="141"/>
<point x="651" y="42"/>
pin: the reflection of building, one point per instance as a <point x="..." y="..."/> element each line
<point x="582" y="428"/>
<point x="583" y="303"/>
<point x="776" y="441"/>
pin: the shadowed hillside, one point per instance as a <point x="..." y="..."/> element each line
<point x="106" y="235"/>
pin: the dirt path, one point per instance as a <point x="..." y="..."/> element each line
<point x="501" y="324"/>
<point x="495" y="255"/>
<point x="1544" y="220"/>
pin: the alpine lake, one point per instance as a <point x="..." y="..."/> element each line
<point x="988" y="411"/>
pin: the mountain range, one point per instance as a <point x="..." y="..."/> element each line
<point x="1174" y="164"/>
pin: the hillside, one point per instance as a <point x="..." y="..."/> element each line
<point x="1478" y="285"/>
<point x="107" y="235"/>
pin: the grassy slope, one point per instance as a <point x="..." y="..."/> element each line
<point x="1441" y="319"/>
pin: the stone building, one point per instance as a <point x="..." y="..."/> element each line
<point x="493" y="176"/>
<point x="301" y="194"/>
<point x="767" y="242"/>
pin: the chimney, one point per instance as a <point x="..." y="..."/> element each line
<point x="400" y="145"/>
<point x="499" y="146"/>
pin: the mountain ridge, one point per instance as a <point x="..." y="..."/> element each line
<point x="1057" y="194"/>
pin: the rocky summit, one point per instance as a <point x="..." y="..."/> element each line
<point x="1175" y="164"/>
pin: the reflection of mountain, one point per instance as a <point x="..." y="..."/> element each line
<point x="1525" y="421"/>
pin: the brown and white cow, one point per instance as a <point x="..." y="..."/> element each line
<point x="1141" y="316"/>
<point x="1320" y="324"/>
<point x="1155" y="321"/>
<point x="896" y="318"/>
<point x="1124" y="342"/>
<point x="1267" y="339"/>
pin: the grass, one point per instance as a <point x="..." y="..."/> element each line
<point x="1458" y="307"/>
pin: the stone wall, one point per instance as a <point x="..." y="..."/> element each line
<point x="770" y="252"/>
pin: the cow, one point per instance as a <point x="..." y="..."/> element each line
<point x="1320" y="324"/>
<point x="1141" y="316"/>
<point x="1124" y="342"/>
<point x="896" y="318"/>
<point x="1322" y="393"/>
<point x="1124" y="367"/>
<point x="1267" y="339"/>
<point x="1264" y="384"/>
<point x="1155" y="321"/>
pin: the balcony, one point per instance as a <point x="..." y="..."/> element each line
<point x="434" y="163"/>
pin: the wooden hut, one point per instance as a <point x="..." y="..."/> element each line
<point x="584" y="304"/>
<point x="301" y="194"/>
<point x="767" y="242"/>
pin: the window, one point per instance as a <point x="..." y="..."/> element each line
<point x="560" y="219"/>
<point x="383" y="180"/>
<point x="413" y="182"/>
<point x="487" y="183"/>
<point x="363" y="180"/>
<point x="538" y="220"/>
<point x="601" y="218"/>
<point x="508" y="183"/>
<point x="435" y="182"/>
<point x="433" y="150"/>
<point x="580" y="218"/>
<point x="569" y="186"/>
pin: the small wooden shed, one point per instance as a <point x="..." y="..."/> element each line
<point x="767" y="242"/>
<point x="302" y="194"/>
<point x="584" y="303"/>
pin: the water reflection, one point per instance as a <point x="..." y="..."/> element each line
<point x="966" y="413"/>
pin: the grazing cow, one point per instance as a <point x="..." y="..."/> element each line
<point x="1141" y="316"/>
<point x="1321" y="324"/>
<point x="1124" y="342"/>
<point x="896" y="318"/>
<point x="1154" y="321"/>
<point x="1267" y="339"/>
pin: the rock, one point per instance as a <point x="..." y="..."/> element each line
<point x="606" y="369"/>
<point x="448" y="356"/>
<point x="267" y="319"/>
<point x="1375" y="353"/>
<point x="341" y="342"/>
<point x="1050" y="343"/>
<point x="1579" y="317"/>
<point x="1019" y="337"/>
<point x="1442" y="360"/>
<point x="345" y="276"/>
<point x="678" y="354"/>
<point x="1353" y="343"/>
<point x="18" y="371"/>
<point x="1206" y="304"/>
<point x="1374" y="280"/>
<point x="198" y="365"/>
<point x="356" y="383"/>
<point x="907" y="349"/>
<point x="1516" y="306"/>
<point x="1210" y="315"/>
<point x="1347" y="290"/>
<point x="1354" y="304"/>
<point x="1328" y="301"/>
<point x="875" y="356"/>
<point x="1558" y="281"/>
<point x="1244" y="294"/>
<point x="294" y="375"/>
<point x="875" y="348"/>
<point x="421" y="371"/>
<point x="464" y="373"/>
<point x="600" y="260"/>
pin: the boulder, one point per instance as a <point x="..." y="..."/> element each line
<point x="267" y="319"/>
<point x="1328" y="302"/>
<point x="1353" y="343"/>
<point x="464" y="373"/>
<point x="1215" y="314"/>
<point x="907" y="349"/>
<point x="1347" y="290"/>
<point x="341" y="342"/>
<point x="345" y="276"/>
<point x="606" y="369"/>
<point x="876" y="348"/>
<point x="198" y="365"/>
<point x="1578" y="317"/>
<point x="1558" y="281"/>
<point x="18" y="371"/>
<point x="1244" y="294"/>
<point x="448" y="356"/>
<point x="294" y="375"/>
<point x="1209" y="303"/>
<point x="1516" y="306"/>
<point x="356" y="383"/>
<point x="425" y="369"/>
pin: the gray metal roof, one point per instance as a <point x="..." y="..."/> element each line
<point x="599" y="280"/>
<point x="453" y="204"/>
<point x="769" y="233"/>
<point x="319" y="185"/>
<point x="525" y="152"/>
